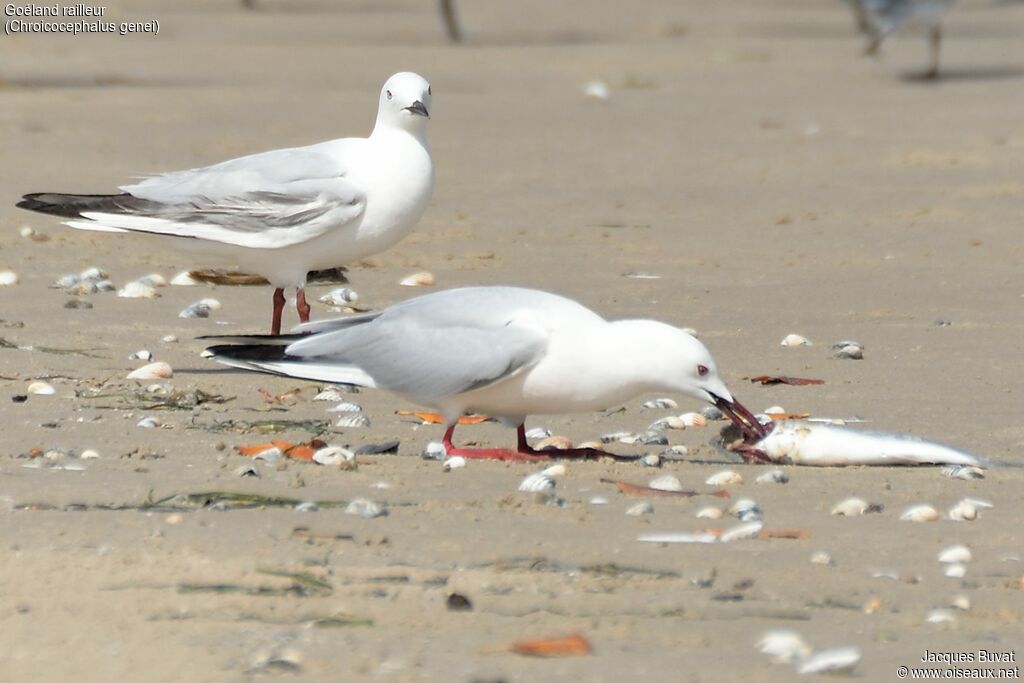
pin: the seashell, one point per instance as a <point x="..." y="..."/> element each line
<point x="849" y="352"/>
<point x="773" y="411"/>
<point x="57" y="454"/>
<point x="105" y="286"/>
<point x="666" y="482"/>
<point x="831" y="661"/>
<point x="640" y="509"/>
<point x="651" y="460"/>
<point x="306" y="506"/>
<point x="709" y="512"/>
<point x="746" y="509"/>
<point x="955" y="554"/>
<point x="333" y="455"/>
<point x="330" y="394"/>
<point x="677" y="452"/>
<point x="822" y="557"/>
<point x="920" y="513"/>
<point x="793" y="340"/>
<point x="670" y="422"/>
<point x="368" y="509"/>
<point x="593" y="444"/>
<point x="8" y="278"/>
<point x="26" y="231"/>
<point x="89" y="454"/>
<point x="724" y="478"/>
<point x="650" y="438"/>
<point x="434" y="450"/>
<point x="846" y="342"/>
<point x="955" y="570"/>
<point x="200" y="309"/>
<point x="40" y="388"/>
<point x="247" y="471"/>
<point x="598" y="500"/>
<point x="271" y="456"/>
<point x="66" y="281"/>
<point x="169" y="339"/>
<point x="537" y="482"/>
<point x="784" y="646"/>
<point x="941" y="616"/>
<point x="558" y="470"/>
<point x="554" y="443"/>
<point x="345" y="407"/>
<point x="851" y="507"/>
<point x="454" y="463"/>
<point x="596" y="90"/>
<point x="659" y="404"/>
<point x="76" y="304"/>
<point x="741" y="532"/>
<point x="141" y="354"/>
<point x="84" y="288"/>
<point x="638" y="275"/>
<point x="352" y="421"/>
<point x="183" y="279"/>
<point x="616" y="436"/>
<point x="694" y="420"/>
<point x="712" y="413"/>
<point x="342" y="296"/>
<point x="149" y="423"/>
<point x="538" y="433"/>
<point x="873" y="605"/>
<point x="137" y="290"/>
<point x="961" y="602"/>
<point x="94" y="273"/>
<point x="963" y="472"/>
<point x="153" y="280"/>
<point x="963" y="511"/>
<point x="422" y="279"/>
<point x="158" y="370"/>
<point x="772" y="477"/>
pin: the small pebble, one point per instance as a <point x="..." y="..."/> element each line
<point x="175" y="518"/>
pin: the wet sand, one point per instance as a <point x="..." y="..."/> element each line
<point x="776" y="181"/>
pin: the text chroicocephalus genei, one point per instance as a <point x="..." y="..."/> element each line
<point x="504" y="351"/>
<point x="283" y="213"/>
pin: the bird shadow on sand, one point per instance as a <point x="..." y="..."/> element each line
<point x="993" y="72"/>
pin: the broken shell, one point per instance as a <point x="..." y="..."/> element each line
<point x="639" y="509"/>
<point x="153" y="280"/>
<point x="352" y="421"/>
<point x="333" y="455"/>
<point x="822" y="557"/>
<point x="851" y="507"/>
<point x="553" y="443"/>
<point x="136" y="290"/>
<point x="784" y="646"/>
<point x="141" y="354"/>
<point x="41" y="389"/>
<point x="423" y="279"/>
<point x="538" y="433"/>
<point x="342" y="296"/>
<point x="666" y="482"/>
<point x="271" y="456"/>
<point x="659" y="404"/>
<point x="961" y="602"/>
<point x="709" y="512"/>
<point x="158" y="370"/>
<point x="834" y="660"/>
<point x="345" y="407"/>
<point x="724" y="478"/>
<point x="772" y="477"/>
<point x="200" y="309"/>
<point x="453" y="463"/>
<point x="149" y="422"/>
<point x="693" y="420"/>
<point x="8" y="278"/>
<point x="247" y="471"/>
<point x="365" y="508"/>
<point x="792" y="340"/>
<point x="963" y="472"/>
<point x="955" y="554"/>
<point x="183" y="279"/>
<point x="741" y="532"/>
<point x="920" y="513"/>
<point x="89" y="454"/>
<point x="434" y="450"/>
<point x="955" y="570"/>
<point x="649" y="438"/>
<point x="537" y="482"/>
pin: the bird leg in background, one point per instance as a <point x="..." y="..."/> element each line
<point x="275" y="323"/>
<point x="936" y="45"/>
<point x="451" y="23"/>
<point x="301" y="306"/>
<point x="489" y="453"/>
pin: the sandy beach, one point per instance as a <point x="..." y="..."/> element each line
<point x="776" y="180"/>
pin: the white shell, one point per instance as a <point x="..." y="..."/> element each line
<point x="83" y="288"/>
<point x="598" y="500"/>
<point x="158" y="370"/>
<point x="639" y="509"/>
<point x="306" y="506"/>
<point x="200" y="309"/>
<point x="821" y="557"/>
<point x="342" y="296"/>
<point x="710" y="512"/>
<point x="693" y="420"/>
<point x="724" y="478"/>
<point x="941" y="616"/>
<point x="963" y="472"/>
<point x="558" y="470"/>
<point x="183" y="279"/>
<point x="955" y="553"/>
<point x="271" y="456"/>
<point x="41" y="389"/>
<point x="784" y="646"/>
<point x="138" y="290"/>
<point x="677" y="537"/>
<point x="333" y="455"/>
<point x="330" y="394"/>
<point x="848" y="351"/>
<point x="659" y="404"/>
<point x="597" y="90"/>
<point x="422" y="279"/>
<point x="434" y="450"/>
<point x="149" y="422"/>
<point x="537" y="482"/>
<point x="956" y="570"/>
<point x="8" y="278"/>
<point x="105" y="286"/>
<point x="153" y="280"/>
<point x="920" y="513"/>
<point x="964" y="511"/>
<point x="795" y="340"/>
<point x="677" y="451"/>
<point x="89" y="454"/>
<point x="834" y="660"/>
<point x="746" y="510"/>
<point x="95" y="273"/>
<point x="366" y="508"/>
<point x="851" y="507"/>
<point x="454" y="463"/>
<point x="352" y="420"/>
<point x="66" y="281"/>
<point x="961" y="602"/>
<point x="774" y="410"/>
<point x="666" y="482"/>
<point x="26" y="231"/>
<point x="651" y="460"/>
<point x="345" y="407"/>
<point x="772" y="477"/>
<point x="141" y="354"/>
<point x="169" y="339"/>
<point x="538" y="433"/>
<point x="670" y="422"/>
<point x="741" y="532"/>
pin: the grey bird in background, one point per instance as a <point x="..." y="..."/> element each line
<point x="445" y="7"/>
<point x="880" y="18"/>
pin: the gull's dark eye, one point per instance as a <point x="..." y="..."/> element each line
<point x="389" y="94"/>
<point x="702" y="370"/>
<point x="428" y="91"/>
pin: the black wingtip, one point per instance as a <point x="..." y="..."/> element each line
<point x="248" y="352"/>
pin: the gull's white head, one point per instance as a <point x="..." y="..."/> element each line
<point x="405" y="102"/>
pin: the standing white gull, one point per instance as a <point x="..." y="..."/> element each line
<point x="504" y="351"/>
<point x="283" y="213"/>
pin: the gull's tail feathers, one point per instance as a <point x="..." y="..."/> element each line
<point x="273" y="359"/>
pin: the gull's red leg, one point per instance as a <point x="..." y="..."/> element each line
<point x="301" y="306"/>
<point x="275" y="324"/>
<point x="492" y="453"/>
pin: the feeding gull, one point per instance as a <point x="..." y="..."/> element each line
<point x="504" y="351"/>
<point x="283" y="213"/>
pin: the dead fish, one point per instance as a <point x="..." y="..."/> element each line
<point x="801" y="442"/>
